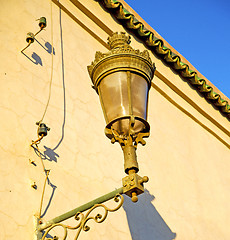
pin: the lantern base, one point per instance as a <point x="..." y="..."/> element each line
<point x="134" y="127"/>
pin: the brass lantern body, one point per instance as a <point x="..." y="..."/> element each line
<point x="122" y="78"/>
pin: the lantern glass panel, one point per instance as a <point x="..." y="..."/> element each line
<point x="121" y="98"/>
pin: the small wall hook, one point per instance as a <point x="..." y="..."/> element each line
<point x="33" y="184"/>
<point x="32" y="162"/>
<point x="42" y="129"/>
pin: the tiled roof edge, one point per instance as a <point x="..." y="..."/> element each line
<point x="156" y="45"/>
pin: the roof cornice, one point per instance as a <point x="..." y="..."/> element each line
<point x="156" y="45"/>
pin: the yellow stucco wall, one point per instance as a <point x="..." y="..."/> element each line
<point x="186" y="157"/>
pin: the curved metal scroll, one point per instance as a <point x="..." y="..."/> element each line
<point x="83" y="219"/>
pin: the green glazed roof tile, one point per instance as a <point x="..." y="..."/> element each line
<point x="156" y="45"/>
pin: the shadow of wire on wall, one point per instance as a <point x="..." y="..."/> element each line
<point x="144" y="221"/>
<point x="63" y="85"/>
<point x="47" y="47"/>
<point x="34" y="58"/>
<point x="48" y="154"/>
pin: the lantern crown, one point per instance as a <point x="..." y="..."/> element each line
<point x="120" y="56"/>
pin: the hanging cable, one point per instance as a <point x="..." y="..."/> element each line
<point x="26" y="46"/>
<point x="42" y="128"/>
<point x="46" y="179"/>
<point x="52" y="60"/>
<point x="43" y="193"/>
<point x="40" y="156"/>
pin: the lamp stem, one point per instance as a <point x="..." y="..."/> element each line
<point x="130" y="159"/>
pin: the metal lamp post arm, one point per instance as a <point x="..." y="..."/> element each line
<point x="77" y="212"/>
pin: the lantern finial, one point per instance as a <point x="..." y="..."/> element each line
<point x="118" y="40"/>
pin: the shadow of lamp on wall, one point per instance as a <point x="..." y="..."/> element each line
<point x="152" y="225"/>
<point x="122" y="78"/>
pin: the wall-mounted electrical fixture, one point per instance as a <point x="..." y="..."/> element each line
<point x="122" y="78"/>
<point x="30" y="36"/>
<point x="42" y="24"/>
<point x="42" y="132"/>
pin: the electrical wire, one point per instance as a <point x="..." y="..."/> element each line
<point x="38" y="31"/>
<point x="43" y="193"/>
<point x="26" y="46"/>
<point x="40" y="156"/>
<point x="47" y="104"/>
<point x="46" y="179"/>
<point x="52" y="60"/>
<point x="37" y="141"/>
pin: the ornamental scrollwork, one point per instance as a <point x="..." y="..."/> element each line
<point x="82" y="220"/>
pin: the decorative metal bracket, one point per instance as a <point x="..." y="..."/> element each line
<point x="81" y="218"/>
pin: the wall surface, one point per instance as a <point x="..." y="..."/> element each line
<point x="186" y="156"/>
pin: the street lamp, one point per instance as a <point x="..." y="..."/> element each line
<point x="122" y="78"/>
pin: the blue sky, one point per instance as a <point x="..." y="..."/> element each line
<point x="198" y="29"/>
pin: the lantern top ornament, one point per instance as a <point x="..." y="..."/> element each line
<point x="121" y="57"/>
